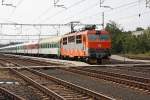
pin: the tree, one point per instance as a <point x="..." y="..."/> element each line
<point x="139" y="29"/>
<point x="125" y="42"/>
<point x="113" y="28"/>
<point x="115" y="32"/>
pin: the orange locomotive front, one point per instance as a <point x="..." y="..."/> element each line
<point x="88" y="44"/>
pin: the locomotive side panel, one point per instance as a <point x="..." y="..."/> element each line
<point x="73" y="45"/>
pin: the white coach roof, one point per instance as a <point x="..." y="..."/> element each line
<point x="50" y="39"/>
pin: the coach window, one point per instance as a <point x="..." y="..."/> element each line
<point x="45" y="45"/>
<point x="78" y="39"/>
<point x="65" y="41"/>
<point x="56" y="45"/>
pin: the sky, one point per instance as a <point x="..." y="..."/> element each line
<point x="123" y="12"/>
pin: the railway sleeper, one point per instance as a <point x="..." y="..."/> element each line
<point x="140" y="79"/>
<point x="113" y="79"/>
<point x="93" y="95"/>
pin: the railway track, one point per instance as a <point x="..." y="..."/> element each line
<point x="111" y="72"/>
<point x="137" y="69"/>
<point x="6" y="95"/>
<point x="26" y="61"/>
<point x="14" y="84"/>
<point x="132" y="81"/>
<point x="122" y="71"/>
<point x="7" y="63"/>
<point x="2" y="63"/>
<point x="58" y="89"/>
<point x="55" y="88"/>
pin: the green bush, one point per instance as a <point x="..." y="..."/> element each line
<point x="125" y="42"/>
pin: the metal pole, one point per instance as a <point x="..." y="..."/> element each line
<point x="1" y="31"/>
<point x="58" y="31"/>
<point x="72" y="26"/>
<point x="39" y="40"/>
<point x="103" y="20"/>
<point x="147" y="3"/>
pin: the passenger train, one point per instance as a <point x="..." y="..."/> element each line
<point x="90" y="45"/>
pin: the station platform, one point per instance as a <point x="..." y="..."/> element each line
<point x="66" y="63"/>
<point x="60" y="61"/>
<point x="124" y="59"/>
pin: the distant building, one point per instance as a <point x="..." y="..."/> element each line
<point x="136" y="33"/>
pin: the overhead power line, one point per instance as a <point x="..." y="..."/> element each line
<point x="17" y="5"/>
<point x="23" y="35"/>
<point x="96" y="4"/>
<point x="59" y="12"/>
<point x="4" y="3"/>
<point x="134" y="15"/>
<point x="148" y="3"/>
<point x="115" y="8"/>
<point x="104" y="6"/>
<point x="68" y="24"/>
<point x="58" y="5"/>
<point x="82" y="11"/>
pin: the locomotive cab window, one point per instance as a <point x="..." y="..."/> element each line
<point x="78" y="39"/>
<point x="104" y="37"/>
<point x="94" y="37"/>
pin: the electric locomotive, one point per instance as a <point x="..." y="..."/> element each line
<point x="91" y="45"/>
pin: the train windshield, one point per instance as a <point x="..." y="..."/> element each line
<point x="94" y="37"/>
<point x="104" y="37"/>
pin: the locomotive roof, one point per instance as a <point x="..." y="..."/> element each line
<point x="85" y="32"/>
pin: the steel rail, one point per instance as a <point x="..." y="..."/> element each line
<point x="95" y="95"/>
<point x="10" y="62"/>
<point x="45" y="90"/>
<point x="9" y="95"/>
<point x="34" y="61"/>
<point x="2" y="63"/>
<point x="126" y="82"/>
<point x="125" y="76"/>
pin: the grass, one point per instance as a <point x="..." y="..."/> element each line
<point x="145" y="56"/>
